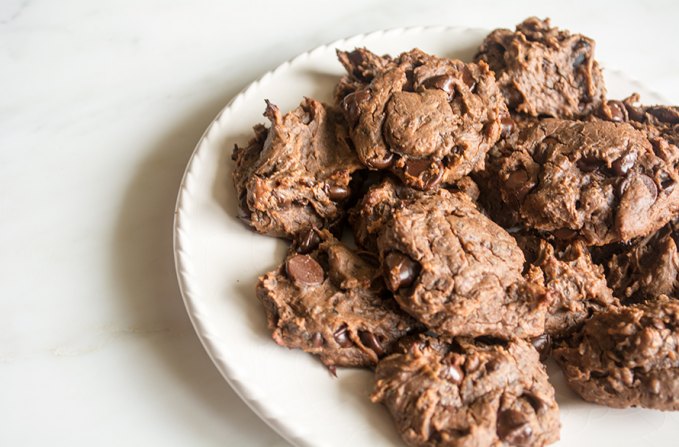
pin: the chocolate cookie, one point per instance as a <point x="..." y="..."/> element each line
<point x="626" y="356"/>
<point x="468" y="394"/>
<point x="331" y="303"/>
<point x="576" y="285"/>
<point x="649" y="267"/>
<point x="429" y="120"/>
<point x="544" y="71"/>
<point x="295" y="175"/>
<point x="599" y="181"/>
<point x="456" y="271"/>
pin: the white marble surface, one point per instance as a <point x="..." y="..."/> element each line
<point x="101" y="105"/>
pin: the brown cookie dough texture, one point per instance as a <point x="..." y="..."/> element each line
<point x="429" y="120"/>
<point x="295" y="175"/>
<point x="458" y="272"/>
<point x="648" y="268"/>
<point x="627" y="356"/>
<point x="468" y="394"/>
<point x="331" y="302"/>
<point x="362" y="66"/>
<point x="599" y="181"/>
<point x="577" y="287"/>
<point x="544" y="71"/>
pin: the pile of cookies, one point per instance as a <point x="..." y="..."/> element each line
<point x="504" y="212"/>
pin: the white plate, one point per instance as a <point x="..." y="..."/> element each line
<point x="218" y="261"/>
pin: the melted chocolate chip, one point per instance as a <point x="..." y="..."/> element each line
<point x="400" y="270"/>
<point x="507" y="124"/>
<point x="616" y="111"/>
<point x="513" y="427"/>
<point x="351" y="105"/>
<point x="317" y="340"/>
<point x="623" y="164"/>
<point x="564" y="234"/>
<point x="380" y="163"/>
<point x="454" y="374"/>
<point x="304" y="270"/>
<point x="441" y="82"/>
<point x="341" y="336"/>
<point x="337" y="193"/>
<point x="589" y="164"/>
<point x="430" y="173"/>
<point x="371" y="342"/>
<point x="543" y="344"/>
<point x="308" y="241"/>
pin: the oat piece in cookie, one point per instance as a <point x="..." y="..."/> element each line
<point x="599" y="181"/>
<point x="576" y="285"/>
<point x="427" y="119"/>
<point x="332" y="303"/>
<point x="295" y="174"/>
<point x="544" y="71"/>
<point x="626" y="356"/>
<point x="647" y="268"/>
<point x="457" y="271"/>
<point x="468" y="394"/>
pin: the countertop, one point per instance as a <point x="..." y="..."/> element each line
<point x="101" y="105"/>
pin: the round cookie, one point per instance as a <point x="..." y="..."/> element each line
<point x="457" y="271"/>
<point x="468" y="394"/>
<point x="427" y="119"/>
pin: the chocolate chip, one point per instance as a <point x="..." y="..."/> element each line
<point x="513" y="427"/>
<point x="441" y="82"/>
<point x="351" y="105"/>
<point x="304" y="270"/>
<point x="543" y="344"/>
<point x="650" y="185"/>
<point x="317" y="340"/>
<point x="342" y="337"/>
<point x="468" y="79"/>
<point x="454" y="374"/>
<point x="380" y="163"/>
<point x="400" y="270"/>
<point x="492" y="365"/>
<point x="623" y="164"/>
<point x="308" y="241"/>
<point x="337" y="193"/>
<point x="429" y="172"/>
<point x="507" y="124"/>
<point x="370" y="341"/>
<point x="635" y="113"/>
<point x="588" y="164"/>
<point x="616" y="111"/>
<point x="534" y="401"/>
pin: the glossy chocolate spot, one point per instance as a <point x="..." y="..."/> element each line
<point x="441" y="82"/>
<point x="513" y="428"/>
<point x="308" y="241"/>
<point x="623" y="164"/>
<point x="429" y="172"/>
<point x="303" y="270"/>
<point x="317" y="340"/>
<point x="454" y="374"/>
<point x="589" y="164"/>
<point x="507" y="124"/>
<point x="351" y="105"/>
<point x="337" y="193"/>
<point x="616" y="111"/>
<point x="341" y="336"/>
<point x="371" y="342"/>
<point x="380" y="163"/>
<point x="543" y="344"/>
<point x="564" y="234"/>
<point x="400" y="270"/>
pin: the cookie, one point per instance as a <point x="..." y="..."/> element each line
<point x="598" y="181"/>
<point x="456" y="271"/>
<point x="296" y="174"/>
<point x="429" y="120"/>
<point x="544" y="71"/>
<point x="626" y="356"/>
<point x="330" y="302"/>
<point x="577" y="287"/>
<point x="362" y="66"/>
<point x="468" y="394"/>
<point x="647" y="268"/>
